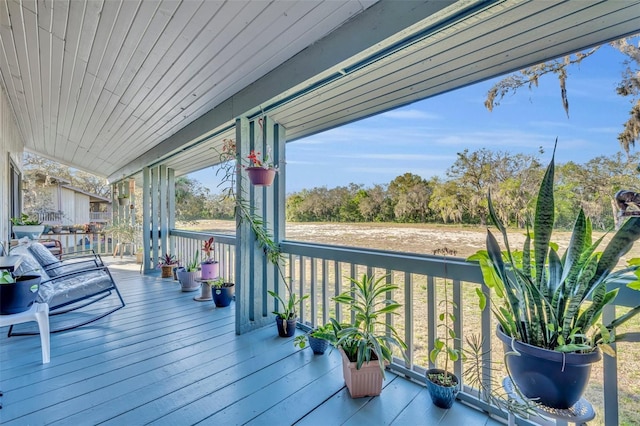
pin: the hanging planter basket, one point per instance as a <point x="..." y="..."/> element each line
<point x="259" y="176"/>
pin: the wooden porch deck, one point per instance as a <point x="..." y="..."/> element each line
<point x="166" y="359"/>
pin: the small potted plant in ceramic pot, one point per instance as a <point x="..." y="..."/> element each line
<point x="286" y="318"/>
<point x="209" y="267"/>
<point x="24" y="226"/>
<point x="222" y="292"/>
<point x="167" y="263"/>
<point x="187" y="276"/>
<point x="318" y="338"/>
<point x="261" y="172"/>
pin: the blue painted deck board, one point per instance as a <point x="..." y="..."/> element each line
<point x="166" y="359"/>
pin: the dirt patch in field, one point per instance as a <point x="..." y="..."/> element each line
<point x="409" y="238"/>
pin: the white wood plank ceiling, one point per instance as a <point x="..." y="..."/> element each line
<point x="97" y="83"/>
<point x="113" y="86"/>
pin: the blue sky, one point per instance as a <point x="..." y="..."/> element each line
<point x="424" y="137"/>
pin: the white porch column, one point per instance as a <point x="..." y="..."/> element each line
<point x="254" y="274"/>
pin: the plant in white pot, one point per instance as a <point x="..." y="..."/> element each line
<point x="24" y="226"/>
<point x="187" y="276"/>
<point x="367" y="344"/>
<point x="549" y="306"/>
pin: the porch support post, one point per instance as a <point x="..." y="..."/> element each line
<point x="254" y="274"/>
<point x="158" y="213"/>
<point x="146" y="221"/>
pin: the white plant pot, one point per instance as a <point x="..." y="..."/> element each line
<point x="32" y="232"/>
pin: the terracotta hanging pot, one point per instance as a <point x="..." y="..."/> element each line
<point x="260" y="176"/>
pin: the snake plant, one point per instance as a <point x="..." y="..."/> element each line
<point x="555" y="301"/>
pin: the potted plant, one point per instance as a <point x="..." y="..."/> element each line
<point x="17" y="293"/>
<point x="286" y="318"/>
<point x="442" y="384"/>
<point x="167" y="263"/>
<point x="549" y="306"/>
<point x="123" y="199"/>
<point x="261" y="172"/>
<point x="222" y="292"/>
<point x="188" y="275"/>
<point x="209" y="267"/>
<point x="367" y="344"/>
<point x="24" y="226"/>
<point x="318" y="338"/>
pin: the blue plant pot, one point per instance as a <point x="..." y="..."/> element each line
<point x="442" y="396"/>
<point x="19" y="296"/>
<point x="318" y="346"/>
<point x="286" y="328"/>
<point x="554" y="379"/>
<point x="222" y="296"/>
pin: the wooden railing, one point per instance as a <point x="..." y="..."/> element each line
<point x="100" y="216"/>
<point x="72" y="242"/>
<point x="321" y="271"/>
<point x="185" y="245"/>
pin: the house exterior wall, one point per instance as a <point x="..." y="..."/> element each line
<point x="82" y="202"/>
<point x="11" y="146"/>
<point x="75" y="207"/>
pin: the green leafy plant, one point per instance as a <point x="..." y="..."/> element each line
<point x="370" y="337"/>
<point x="325" y="332"/>
<point x="6" y="277"/>
<point x="290" y="304"/>
<point x="555" y="301"/>
<point x="481" y="375"/>
<point x="24" y="220"/>
<point x="445" y="346"/>
<point x="192" y="265"/>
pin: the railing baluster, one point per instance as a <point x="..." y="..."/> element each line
<point x="432" y="309"/>
<point x="610" y="374"/>
<point x="325" y="291"/>
<point x="457" y="326"/>
<point x="408" y="317"/>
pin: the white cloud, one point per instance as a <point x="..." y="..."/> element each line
<point x="411" y="114"/>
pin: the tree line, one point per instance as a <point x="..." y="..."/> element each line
<point x="458" y="198"/>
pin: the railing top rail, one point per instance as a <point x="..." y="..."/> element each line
<point x="198" y="235"/>
<point x="457" y="268"/>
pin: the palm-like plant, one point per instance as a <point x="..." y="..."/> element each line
<point x="289" y="306"/>
<point x="553" y="301"/>
<point x="369" y="337"/>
